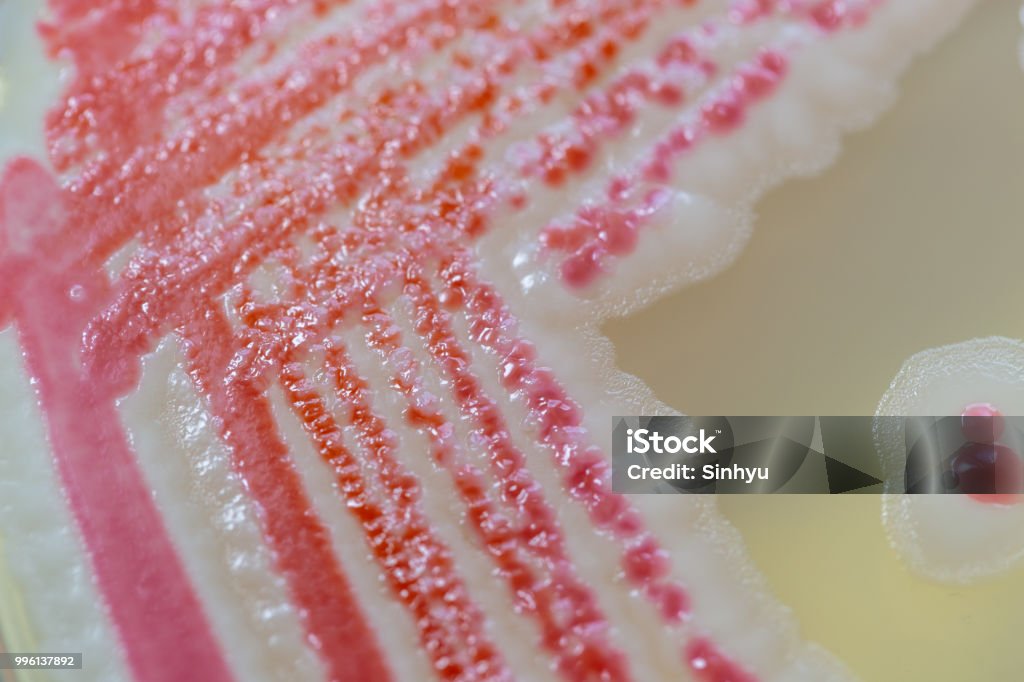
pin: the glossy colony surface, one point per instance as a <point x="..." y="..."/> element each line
<point x="306" y="292"/>
<point x="958" y="538"/>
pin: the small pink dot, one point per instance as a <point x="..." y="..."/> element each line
<point x="773" y="61"/>
<point x="674" y="603"/>
<point x="618" y="233"/>
<point x="581" y="268"/>
<point x="756" y="82"/>
<point x="724" y="114"/>
<point x="829" y="14"/>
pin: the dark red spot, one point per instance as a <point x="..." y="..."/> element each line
<point x="986" y="469"/>
<point x="725" y="114"/>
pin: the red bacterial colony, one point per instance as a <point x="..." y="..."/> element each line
<point x="989" y="472"/>
<point x="206" y="145"/>
<point x="982" y="423"/>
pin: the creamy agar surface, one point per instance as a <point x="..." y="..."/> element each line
<point x="907" y="245"/>
<point x="836" y="83"/>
